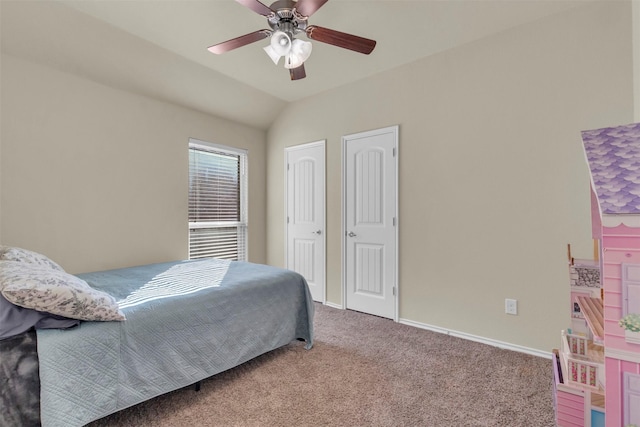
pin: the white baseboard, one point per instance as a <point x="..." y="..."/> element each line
<point x="463" y="335"/>
<point x="483" y="340"/>
<point x="334" y="305"/>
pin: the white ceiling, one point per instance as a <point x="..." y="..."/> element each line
<point x="159" y="47"/>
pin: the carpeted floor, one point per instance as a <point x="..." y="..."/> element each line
<point x="364" y="371"/>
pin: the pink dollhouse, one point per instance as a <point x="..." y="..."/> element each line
<point x="598" y="366"/>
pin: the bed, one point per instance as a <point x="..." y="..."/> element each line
<point x="185" y="321"/>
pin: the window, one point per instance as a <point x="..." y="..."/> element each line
<point x="217" y="201"/>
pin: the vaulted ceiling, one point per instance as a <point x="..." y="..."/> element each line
<point x="158" y="48"/>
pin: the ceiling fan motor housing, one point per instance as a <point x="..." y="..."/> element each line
<point x="285" y="19"/>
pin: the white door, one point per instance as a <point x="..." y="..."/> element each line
<point x="305" y="214"/>
<point x="370" y="221"/>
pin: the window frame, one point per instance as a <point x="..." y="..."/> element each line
<point x="243" y="223"/>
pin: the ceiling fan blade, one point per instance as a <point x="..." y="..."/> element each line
<point x="297" y="73"/>
<point x="308" y="7"/>
<point x="239" y="41"/>
<point x="256" y="6"/>
<point x="344" y="40"/>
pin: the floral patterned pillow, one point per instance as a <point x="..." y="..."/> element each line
<point x="53" y="291"/>
<point x="8" y="253"/>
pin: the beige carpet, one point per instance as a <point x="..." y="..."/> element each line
<point x="364" y="371"/>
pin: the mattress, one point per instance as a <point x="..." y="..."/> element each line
<point x="185" y="321"/>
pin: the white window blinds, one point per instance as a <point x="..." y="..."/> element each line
<point x="217" y="201"/>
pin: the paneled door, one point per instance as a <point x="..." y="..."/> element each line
<point x="305" y="181"/>
<point x="370" y="221"/>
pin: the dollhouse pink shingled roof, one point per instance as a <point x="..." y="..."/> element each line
<point x="614" y="159"/>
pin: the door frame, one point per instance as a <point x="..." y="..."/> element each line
<point x="287" y="150"/>
<point x="395" y="130"/>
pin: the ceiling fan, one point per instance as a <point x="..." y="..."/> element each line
<point x="286" y="19"/>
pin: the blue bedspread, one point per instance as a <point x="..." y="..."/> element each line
<point x="186" y="321"/>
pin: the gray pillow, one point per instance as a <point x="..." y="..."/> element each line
<point x="15" y="320"/>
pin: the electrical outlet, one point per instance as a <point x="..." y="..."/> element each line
<point x="511" y="306"/>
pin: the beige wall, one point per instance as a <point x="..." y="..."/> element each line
<point x="0" y="150"/>
<point x="493" y="182"/>
<point x="636" y="58"/>
<point x="96" y="178"/>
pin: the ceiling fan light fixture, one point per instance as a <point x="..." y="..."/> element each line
<point x="301" y="48"/>
<point x="281" y="43"/>
<point x="299" y="53"/>
<point x="272" y="54"/>
<point x="287" y="19"/>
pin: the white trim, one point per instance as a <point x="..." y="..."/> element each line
<point x="306" y="145"/>
<point x="627" y="356"/>
<point x="475" y="338"/>
<point x="224" y="148"/>
<point x="334" y="305"/>
<point x="343" y="221"/>
<point x="286" y="206"/>
<point x="395" y="130"/>
<point x="321" y="143"/>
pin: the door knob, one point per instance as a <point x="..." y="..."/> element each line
<point x="317" y="232"/>
<point x="351" y="234"/>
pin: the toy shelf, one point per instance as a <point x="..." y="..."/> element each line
<point x="594" y="315"/>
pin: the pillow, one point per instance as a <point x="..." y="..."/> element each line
<point x="53" y="291"/>
<point x="15" y="320"/>
<point x="8" y="253"/>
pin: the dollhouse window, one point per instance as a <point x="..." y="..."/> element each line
<point x="631" y="399"/>
<point x="630" y="288"/>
